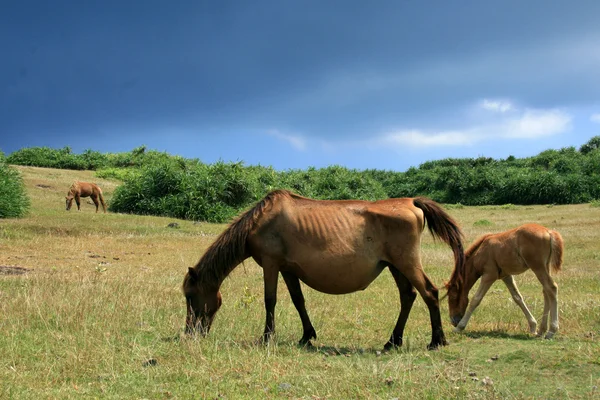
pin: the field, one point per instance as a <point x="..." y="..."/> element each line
<point x="91" y="307"/>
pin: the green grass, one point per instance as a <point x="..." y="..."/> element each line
<point x="102" y="298"/>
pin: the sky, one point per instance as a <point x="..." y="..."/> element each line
<point x="293" y="84"/>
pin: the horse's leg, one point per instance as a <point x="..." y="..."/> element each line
<point x="407" y="298"/>
<point x="484" y="285"/>
<point x="270" y="276"/>
<point x="509" y="281"/>
<point x="550" y="302"/>
<point x="95" y="200"/>
<point x="293" y="284"/>
<point x="416" y="276"/>
<point x="78" y="201"/>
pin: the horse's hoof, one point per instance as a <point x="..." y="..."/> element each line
<point x="437" y="345"/>
<point x="306" y="344"/>
<point x="549" y="335"/>
<point x="459" y="329"/>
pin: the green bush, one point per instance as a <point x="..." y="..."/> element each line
<point x="160" y="184"/>
<point x="14" y="202"/>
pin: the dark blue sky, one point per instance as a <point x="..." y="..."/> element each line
<point x="386" y="84"/>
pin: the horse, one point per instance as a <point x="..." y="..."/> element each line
<point x="84" y="189"/>
<point x="333" y="246"/>
<point x="500" y="256"/>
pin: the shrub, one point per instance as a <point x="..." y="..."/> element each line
<point x="14" y="202"/>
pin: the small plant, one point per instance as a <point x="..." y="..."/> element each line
<point x="247" y="298"/>
<point x="595" y="203"/>
<point x="456" y="206"/>
<point x="483" y="222"/>
<point x="508" y="206"/>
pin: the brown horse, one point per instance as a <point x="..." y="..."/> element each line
<point x="500" y="256"/>
<point x="334" y="247"/>
<point x="84" y="189"/>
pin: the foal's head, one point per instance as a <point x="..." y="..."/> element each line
<point x="203" y="301"/>
<point x="457" y="301"/>
<point x="69" y="201"/>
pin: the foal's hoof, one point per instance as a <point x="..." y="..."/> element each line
<point x="549" y="335"/>
<point x="532" y="327"/>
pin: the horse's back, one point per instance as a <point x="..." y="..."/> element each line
<point x="300" y="228"/>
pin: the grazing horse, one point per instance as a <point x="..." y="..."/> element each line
<point x="334" y="247"/>
<point x="500" y="256"/>
<point x="84" y="189"/>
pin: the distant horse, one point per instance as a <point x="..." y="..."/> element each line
<point x="500" y="256"/>
<point x="334" y="247"/>
<point x="85" y="189"/>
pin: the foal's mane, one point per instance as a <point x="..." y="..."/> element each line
<point x="458" y="277"/>
<point x="229" y="249"/>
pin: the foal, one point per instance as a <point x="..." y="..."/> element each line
<point x="500" y="256"/>
<point x="84" y="189"/>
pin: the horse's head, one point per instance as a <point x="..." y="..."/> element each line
<point x="457" y="302"/>
<point x="69" y="202"/>
<point x="202" y="301"/>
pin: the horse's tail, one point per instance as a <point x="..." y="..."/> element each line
<point x="442" y="226"/>
<point x="229" y="249"/>
<point x="101" y="197"/>
<point x="556" y="251"/>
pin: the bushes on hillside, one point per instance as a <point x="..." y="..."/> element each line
<point x="157" y="183"/>
<point x="13" y="197"/>
<point x="218" y="192"/>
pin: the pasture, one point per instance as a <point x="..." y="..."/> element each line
<point x="91" y="306"/>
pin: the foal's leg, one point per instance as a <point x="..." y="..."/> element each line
<point x="407" y="298"/>
<point x="270" y="276"/>
<point x="416" y="276"/>
<point x="78" y="201"/>
<point x="543" y="326"/>
<point x="509" y="281"/>
<point x="484" y="286"/>
<point x="550" y="302"/>
<point x="293" y="284"/>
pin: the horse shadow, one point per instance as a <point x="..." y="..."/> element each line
<point x="499" y="334"/>
<point x="325" y="350"/>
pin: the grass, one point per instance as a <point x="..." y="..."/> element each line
<point x="99" y="313"/>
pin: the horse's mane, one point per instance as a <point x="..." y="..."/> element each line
<point x="74" y="187"/>
<point x="229" y="249"/>
<point x="458" y="276"/>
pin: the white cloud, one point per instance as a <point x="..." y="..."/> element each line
<point x="296" y="141"/>
<point x="530" y="124"/>
<point x="595" y="118"/>
<point x="537" y="123"/>
<point x="417" y="138"/>
<point x="501" y="106"/>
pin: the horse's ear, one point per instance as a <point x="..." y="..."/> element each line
<point x="193" y="274"/>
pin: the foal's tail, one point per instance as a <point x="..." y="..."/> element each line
<point x="442" y="226"/>
<point x="556" y="251"/>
